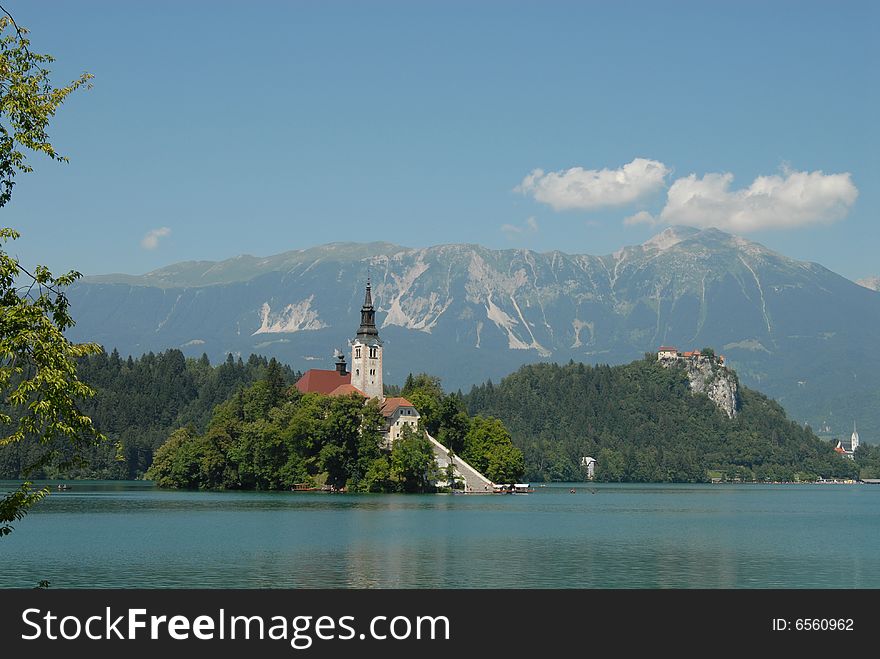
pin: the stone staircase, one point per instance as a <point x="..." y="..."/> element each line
<point x="474" y="481"/>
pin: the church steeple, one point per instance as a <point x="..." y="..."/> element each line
<point x="367" y="331"/>
<point x="366" y="351"/>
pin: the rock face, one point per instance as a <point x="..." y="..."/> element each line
<point x="870" y="282"/>
<point x="718" y="383"/>
<point x="707" y="376"/>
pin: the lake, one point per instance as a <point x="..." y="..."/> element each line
<point x="106" y="534"/>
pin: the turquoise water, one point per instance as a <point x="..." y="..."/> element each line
<point x="128" y="535"/>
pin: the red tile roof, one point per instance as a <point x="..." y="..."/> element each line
<point x="392" y="404"/>
<point x="319" y="381"/>
<point x="347" y="390"/>
<point x="667" y="349"/>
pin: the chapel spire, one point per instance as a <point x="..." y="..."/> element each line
<point x="366" y="352"/>
<point x="368" y="330"/>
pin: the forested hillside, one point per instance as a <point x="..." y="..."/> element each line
<point x="138" y="403"/>
<point x="642" y="423"/>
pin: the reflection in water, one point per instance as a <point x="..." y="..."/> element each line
<point x="624" y="536"/>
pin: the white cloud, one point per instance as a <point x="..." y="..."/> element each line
<point x="642" y="217"/>
<point x="770" y="202"/>
<point x="151" y="239"/>
<point x="530" y="226"/>
<point x="589" y="189"/>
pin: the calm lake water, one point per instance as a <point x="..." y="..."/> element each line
<point x="132" y="535"/>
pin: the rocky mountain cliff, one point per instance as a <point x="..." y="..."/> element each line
<point x="467" y="313"/>
<point x="707" y="377"/>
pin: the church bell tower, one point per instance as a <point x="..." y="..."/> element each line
<point x="366" y="352"/>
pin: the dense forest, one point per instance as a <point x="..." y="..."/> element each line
<point x="642" y="424"/>
<point x="138" y="403"/>
<point x="189" y="418"/>
<point x="640" y="421"/>
<point x="269" y="436"/>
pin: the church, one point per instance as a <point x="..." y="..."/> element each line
<point x="365" y="379"/>
<point x="849" y="450"/>
<point x="365" y="376"/>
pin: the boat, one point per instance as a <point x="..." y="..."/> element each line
<point x="512" y="488"/>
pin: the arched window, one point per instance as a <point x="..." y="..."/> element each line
<point x="372" y="352"/>
<point x="357" y="352"/>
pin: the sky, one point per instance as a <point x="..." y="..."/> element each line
<point x="216" y="128"/>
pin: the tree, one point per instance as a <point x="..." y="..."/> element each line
<point x="412" y="461"/>
<point x="275" y="382"/>
<point x="426" y="394"/>
<point x="27" y="103"/>
<point x="38" y="376"/>
<point x="170" y="467"/>
<point x="454" y="423"/>
<point x="489" y="449"/>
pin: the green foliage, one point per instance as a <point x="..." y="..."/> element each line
<point x="454" y="423"/>
<point x="413" y="467"/>
<point x="484" y="443"/>
<point x="139" y="402"/>
<point x="489" y="449"/>
<point x="38" y="376"/>
<point x="303" y="439"/>
<point x="28" y="101"/>
<point x="334" y="441"/>
<point x="426" y="394"/>
<point x="642" y="423"/>
<point x="37" y="363"/>
<point x="173" y="462"/>
<point x="15" y="505"/>
<point x="241" y="425"/>
<point x="867" y="459"/>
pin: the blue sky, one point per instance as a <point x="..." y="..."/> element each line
<point x="215" y="128"/>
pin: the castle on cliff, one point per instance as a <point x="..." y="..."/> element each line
<point x="669" y="352"/>
<point x="705" y="376"/>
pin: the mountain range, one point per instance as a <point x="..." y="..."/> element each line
<point x="794" y="330"/>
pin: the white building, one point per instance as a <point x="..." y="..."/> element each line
<point x="589" y="464"/>
<point x="850" y="450"/>
<point x="398" y="413"/>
